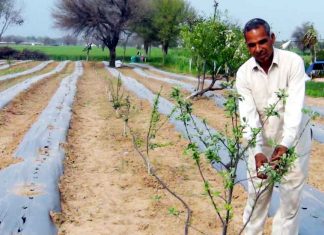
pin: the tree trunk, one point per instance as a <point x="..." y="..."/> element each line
<point x="146" y="47"/>
<point x="112" y="57"/>
<point x="165" y="48"/>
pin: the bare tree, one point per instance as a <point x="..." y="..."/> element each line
<point x="101" y="19"/>
<point x="9" y="15"/>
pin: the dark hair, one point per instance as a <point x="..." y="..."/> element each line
<point x="256" y="23"/>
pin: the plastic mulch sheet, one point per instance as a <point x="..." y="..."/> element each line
<point x="29" y="189"/>
<point x="312" y="205"/>
<point x="318" y="130"/>
<point x="7" y="95"/>
<point x="217" y="98"/>
<point x="26" y="72"/>
<point x="6" y="66"/>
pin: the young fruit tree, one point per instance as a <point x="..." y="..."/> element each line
<point x="215" y="47"/>
<point x="227" y="151"/>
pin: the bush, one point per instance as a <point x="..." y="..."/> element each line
<point x="31" y="55"/>
<point x="10" y="53"/>
<point x="7" y="53"/>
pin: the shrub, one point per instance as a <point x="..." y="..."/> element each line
<point x="10" y="53"/>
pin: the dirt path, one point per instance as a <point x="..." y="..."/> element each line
<point x="106" y="189"/>
<point x="21" y="113"/>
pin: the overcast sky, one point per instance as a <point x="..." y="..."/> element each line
<point x="282" y="15"/>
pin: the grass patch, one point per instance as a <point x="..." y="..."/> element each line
<point x="177" y="59"/>
<point x="315" y="89"/>
<point x="77" y="53"/>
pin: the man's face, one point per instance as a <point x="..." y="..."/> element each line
<point x="260" y="44"/>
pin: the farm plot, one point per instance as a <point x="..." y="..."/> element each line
<point x="12" y="79"/>
<point x="216" y="119"/>
<point x="14" y="64"/>
<point x="29" y="188"/>
<point x="106" y="189"/>
<point x="19" y="68"/>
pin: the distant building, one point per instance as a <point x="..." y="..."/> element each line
<point x="32" y="43"/>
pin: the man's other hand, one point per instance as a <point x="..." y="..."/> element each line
<point x="260" y="159"/>
<point x="276" y="155"/>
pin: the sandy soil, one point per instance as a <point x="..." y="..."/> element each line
<point x="106" y="189"/>
<point x="11" y="82"/>
<point x="21" y="113"/>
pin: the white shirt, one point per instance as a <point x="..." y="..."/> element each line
<point x="258" y="90"/>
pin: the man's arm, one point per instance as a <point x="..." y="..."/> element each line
<point x="248" y="111"/>
<point x="293" y="109"/>
<point x="250" y="116"/>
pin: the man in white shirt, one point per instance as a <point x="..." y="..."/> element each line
<point x="268" y="70"/>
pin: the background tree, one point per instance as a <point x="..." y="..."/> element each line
<point x="214" y="46"/>
<point x="9" y="15"/>
<point x="310" y="41"/>
<point x="102" y="19"/>
<point x="299" y="33"/>
<point x="169" y="15"/>
<point x="143" y="25"/>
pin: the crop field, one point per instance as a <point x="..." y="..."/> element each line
<point x="73" y="163"/>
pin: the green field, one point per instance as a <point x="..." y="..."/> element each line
<point x="315" y="89"/>
<point x="77" y="53"/>
<point x="177" y="60"/>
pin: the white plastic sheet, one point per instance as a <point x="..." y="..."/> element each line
<point x="8" y="95"/>
<point x="26" y="72"/>
<point x="217" y="98"/>
<point x="6" y="66"/>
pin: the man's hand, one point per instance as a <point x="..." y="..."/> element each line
<point x="276" y="155"/>
<point x="260" y="159"/>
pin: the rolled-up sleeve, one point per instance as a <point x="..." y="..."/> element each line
<point x="295" y="101"/>
<point x="248" y="111"/>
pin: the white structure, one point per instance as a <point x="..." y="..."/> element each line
<point x="285" y="45"/>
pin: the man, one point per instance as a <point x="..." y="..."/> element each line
<point x="268" y="70"/>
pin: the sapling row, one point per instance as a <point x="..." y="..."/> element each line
<point x="155" y="124"/>
<point x="236" y="149"/>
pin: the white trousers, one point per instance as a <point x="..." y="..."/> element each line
<point x="286" y="218"/>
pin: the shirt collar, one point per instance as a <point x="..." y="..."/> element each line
<point x="275" y="60"/>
